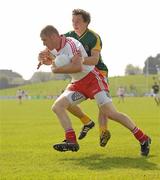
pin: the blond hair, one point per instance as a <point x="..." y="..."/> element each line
<point x="48" y="31"/>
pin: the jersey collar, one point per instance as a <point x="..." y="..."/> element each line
<point x="63" y="42"/>
<point x="83" y="33"/>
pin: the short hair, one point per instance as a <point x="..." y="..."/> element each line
<point x="48" y="31"/>
<point x="85" y="15"/>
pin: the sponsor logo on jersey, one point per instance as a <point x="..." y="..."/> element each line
<point x="77" y="96"/>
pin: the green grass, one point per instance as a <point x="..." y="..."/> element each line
<point x="141" y="84"/>
<point x="44" y="88"/>
<point x="28" y="131"/>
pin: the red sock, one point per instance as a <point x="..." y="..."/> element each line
<point x="71" y="136"/>
<point x="139" y="135"/>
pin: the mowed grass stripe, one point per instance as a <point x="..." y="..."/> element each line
<point x="28" y="132"/>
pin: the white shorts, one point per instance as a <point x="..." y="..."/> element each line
<point x="74" y="98"/>
<point x="102" y="98"/>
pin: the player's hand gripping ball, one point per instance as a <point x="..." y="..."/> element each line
<point x="45" y="57"/>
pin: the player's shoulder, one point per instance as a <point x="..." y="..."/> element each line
<point x="71" y="41"/>
<point x="69" y="34"/>
<point x="93" y="36"/>
<point x="93" y="33"/>
<point x="69" y="38"/>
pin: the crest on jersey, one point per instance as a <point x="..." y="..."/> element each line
<point x="86" y="47"/>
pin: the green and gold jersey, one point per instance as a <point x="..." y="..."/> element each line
<point x="91" y="41"/>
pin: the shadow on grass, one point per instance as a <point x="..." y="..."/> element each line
<point x="101" y="162"/>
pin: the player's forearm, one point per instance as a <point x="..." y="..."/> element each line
<point x="71" y="68"/>
<point x="93" y="58"/>
<point x="90" y="61"/>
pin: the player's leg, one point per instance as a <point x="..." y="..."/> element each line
<point x="59" y="107"/>
<point x="157" y="99"/>
<point x="87" y="122"/>
<point x="105" y="134"/>
<point x="108" y="109"/>
<point x="128" y="123"/>
<point x="122" y="97"/>
<point x="20" y="99"/>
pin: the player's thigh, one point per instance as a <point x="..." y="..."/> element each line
<point x="61" y="102"/>
<point x="102" y="98"/>
<point x="73" y="97"/>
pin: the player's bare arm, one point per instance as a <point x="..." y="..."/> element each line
<point x="73" y="67"/>
<point x="93" y="59"/>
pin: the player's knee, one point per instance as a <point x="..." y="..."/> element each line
<point x="112" y="115"/>
<point x="107" y="114"/>
<point x="58" y="107"/>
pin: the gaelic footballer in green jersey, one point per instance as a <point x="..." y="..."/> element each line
<point x="91" y="41"/>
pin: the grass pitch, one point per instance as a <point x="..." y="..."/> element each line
<point x="28" y="131"/>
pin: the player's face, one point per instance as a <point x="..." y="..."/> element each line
<point x="78" y="24"/>
<point x="49" y="41"/>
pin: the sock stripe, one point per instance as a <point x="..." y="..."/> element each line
<point x="135" y="130"/>
<point x="139" y="135"/>
<point x="69" y="130"/>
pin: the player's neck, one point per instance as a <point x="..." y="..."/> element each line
<point x="59" y="44"/>
<point x="80" y="33"/>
